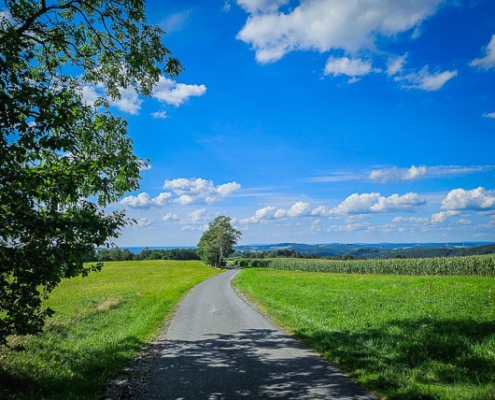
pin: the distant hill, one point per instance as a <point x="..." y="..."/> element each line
<point x="379" y="250"/>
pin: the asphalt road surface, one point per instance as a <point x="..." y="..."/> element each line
<point x="219" y="347"/>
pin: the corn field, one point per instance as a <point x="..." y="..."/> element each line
<point x="468" y="265"/>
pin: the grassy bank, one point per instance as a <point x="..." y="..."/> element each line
<point x="101" y="322"/>
<point x="403" y="337"/>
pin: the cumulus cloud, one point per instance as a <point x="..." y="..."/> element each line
<point x="267" y="212"/>
<point x="143" y="200"/>
<point x="298" y="209"/>
<point x="479" y="199"/>
<point x="90" y="95"/>
<point x="369" y="203"/>
<point x="189" y="191"/>
<point x="357" y="204"/>
<point x="171" y="92"/>
<point x="198" y="216"/>
<point x="395" y="203"/>
<point x="347" y="66"/>
<point x="162" y="199"/>
<point x="424" y="80"/>
<point x="488" y="60"/>
<point x="183" y="191"/>
<point x="443" y="216"/>
<point x="128" y="102"/>
<point x="327" y="24"/>
<point x="397" y="174"/>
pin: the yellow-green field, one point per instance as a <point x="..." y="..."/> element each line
<point x="102" y="321"/>
<point x="403" y="337"/>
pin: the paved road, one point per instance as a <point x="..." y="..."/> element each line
<point x="218" y="347"/>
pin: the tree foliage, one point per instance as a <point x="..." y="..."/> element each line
<point x="61" y="160"/>
<point x="217" y="241"/>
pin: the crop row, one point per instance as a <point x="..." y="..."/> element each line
<point x="469" y="265"/>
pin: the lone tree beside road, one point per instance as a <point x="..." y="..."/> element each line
<point x="217" y="241"/>
<point x="62" y="159"/>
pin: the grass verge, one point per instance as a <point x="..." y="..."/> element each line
<point x="403" y="337"/>
<point x="102" y="321"/>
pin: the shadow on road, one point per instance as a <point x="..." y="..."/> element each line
<point x="253" y="363"/>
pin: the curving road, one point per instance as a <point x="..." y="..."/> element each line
<point x="218" y="347"/>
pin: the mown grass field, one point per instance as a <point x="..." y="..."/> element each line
<point x="403" y="337"/>
<point x="102" y="321"/>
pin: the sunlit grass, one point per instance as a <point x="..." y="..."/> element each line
<point x="403" y="337"/>
<point x="101" y="322"/>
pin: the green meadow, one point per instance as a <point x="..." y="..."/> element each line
<point x="402" y="337"/>
<point x="101" y="322"/>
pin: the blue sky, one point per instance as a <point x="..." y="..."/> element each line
<point x="318" y="121"/>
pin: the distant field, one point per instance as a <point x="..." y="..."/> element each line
<point x="101" y="322"/>
<point x="467" y="265"/>
<point x="403" y="337"/>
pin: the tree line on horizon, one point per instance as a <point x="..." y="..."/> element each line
<point x="118" y="254"/>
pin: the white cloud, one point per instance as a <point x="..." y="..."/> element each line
<point x="357" y="204"/>
<point x="143" y="200"/>
<point x="315" y="226"/>
<point x="479" y="199"/>
<point x="328" y="24"/>
<point x="385" y="175"/>
<point x="90" y="95"/>
<point x="320" y="210"/>
<point x="397" y="174"/>
<point x="159" y="114"/>
<point x="143" y="222"/>
<point x="261" y="6"/>
<point x="162" y="199"/>
<point x="198" y="216"/>
<point x="395" y="203"/>
<point x="410" y="219"/>
<point x="175" y="22"/>
<point x="442" y="216"/>
<point x="489" y="115"/>
<point x="170" y="217"/>
<point x="5" y="17"/>
<point x="267" y="212"/>
<point x="347" y="66"/>
<point x="171" y="92"/>
<point x="297" y="210"/>
<point x="338" y="176"/>
<point x="191" y="191"/>
<point x="368" y="203"/>
<point x="449" y="170"/>
<point x="414" y="173"/>
<point x="423" y="80"/>
<point x="129" y="101"/>
<point x="395" y="65"/>
<point x="488" y="61"/>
